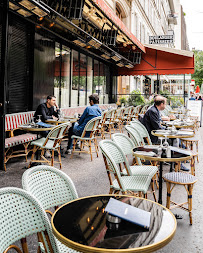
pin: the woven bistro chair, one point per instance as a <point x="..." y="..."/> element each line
<point x="135" y="112"/>
<point x="118" y="119"/>
<point x="90" y="131"/>
<point x="127" y="114"/>
<point x="134" y="136"/>
<point x="50" y="186"/>
<point x="127" y="178"/>
<point x="108" y="124"/>
<point x="127" y="146"/>
<point x="22" y="215"/>
<point x="142" y="130"/>
<point x="144" y="109"/>
<point x="52" y="142"/>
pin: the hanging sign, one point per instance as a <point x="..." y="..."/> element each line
<point x="161" y="39"/>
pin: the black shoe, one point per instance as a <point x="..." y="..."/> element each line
<point x="68" y="152"/>
<point x="183" y="168"/>
<point x="178" y="217"/>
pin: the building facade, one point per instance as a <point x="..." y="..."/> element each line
<point x="151" y="18"/>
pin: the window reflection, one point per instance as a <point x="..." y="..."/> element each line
<point x="89" y="78"/>
<point x="65" y="77"/>
<point x="75" y="79"/>
<point x="57" y="72"/>
<point x="83" y="77"/>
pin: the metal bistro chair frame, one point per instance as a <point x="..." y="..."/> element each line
<point x="91" y="127"/>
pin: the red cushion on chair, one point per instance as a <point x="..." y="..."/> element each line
<point x="19" y="139"/>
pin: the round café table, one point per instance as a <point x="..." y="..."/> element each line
<point x="180" y="124"/>
<point x="175" y="158"/>
<point x="60" y="121"/>
<point x="178" y="134"/>
<point x="83" y="226"/>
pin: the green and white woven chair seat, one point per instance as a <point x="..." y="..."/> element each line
<point x="138" y="170"/>
<point x="133" y="183"/>
<point x="82" y="138"/>
<point x="40" y="143"/>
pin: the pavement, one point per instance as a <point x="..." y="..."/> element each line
<point x="90" y="178"/>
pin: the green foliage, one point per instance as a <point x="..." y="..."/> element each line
<point x="198" y="75"/>
<point x="166" y="94"/>
<point x="177" y="101"/>
<point x="136" y="98"/>
<point x="123" y="100"/>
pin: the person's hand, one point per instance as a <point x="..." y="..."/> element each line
<point x="56" y="106"/>
<point x="55" y="118"/>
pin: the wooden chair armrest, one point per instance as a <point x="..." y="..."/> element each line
<point x="13" y="247"/>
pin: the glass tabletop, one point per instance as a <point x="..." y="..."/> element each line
<point x="84" y="221"/>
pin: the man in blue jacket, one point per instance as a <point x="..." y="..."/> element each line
<point x="89" y="113"/>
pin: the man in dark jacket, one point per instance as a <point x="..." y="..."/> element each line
<point x="152" y="118"/>
<point x="48" y="110"/>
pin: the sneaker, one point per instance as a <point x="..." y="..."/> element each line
<point x="47" y="154"/>
<point x="68" y="152"/>
<point x="184" y="168"/>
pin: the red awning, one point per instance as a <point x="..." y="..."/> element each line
<point x="117" y="22"/>
<point x="162" y="61"/>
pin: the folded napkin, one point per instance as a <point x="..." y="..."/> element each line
<point x="145" y="153"/>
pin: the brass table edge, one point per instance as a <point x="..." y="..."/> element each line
<point x="89" y="249"/>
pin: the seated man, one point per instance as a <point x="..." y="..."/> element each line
<point x="47" y="109"/>
<point x="152" y="118"/>
<point x="89" y="113"/>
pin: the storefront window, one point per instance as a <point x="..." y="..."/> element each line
<point x="101" y="83"/>
<point x="75" y="79"/>
<point x="89" y="78"/>
<point x="96" y="77"/>
<point x="57" y="71"/>
<point x="106" y="90"/>
<point x="83" y="78"/>
<point x="65" y="77"/>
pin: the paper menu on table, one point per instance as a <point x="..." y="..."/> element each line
<point x="127" y="212"/>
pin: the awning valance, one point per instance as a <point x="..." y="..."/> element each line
<point x="162" y="61"/>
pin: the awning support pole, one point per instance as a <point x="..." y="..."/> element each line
<point x="3" y="78"/>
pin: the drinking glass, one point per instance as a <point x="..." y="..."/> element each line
<point x="39" y="118"/>
<point x="33" y="121"/>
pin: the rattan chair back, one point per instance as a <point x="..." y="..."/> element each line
<point x="134" y="135"/>
<point x="125" y="143"/>
<point x="50" y="186"/>
<point x="56" y="134"/>
<point x="22" y="215"/>
<point x="141" y="129"/>
<point x="91" y="126"/>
